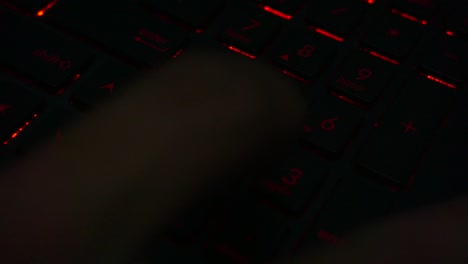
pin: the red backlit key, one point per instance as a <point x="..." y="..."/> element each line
<point x="402" y="134"/>
<point x="355" y="203"/>
<point x="303" y="53"/>
<point x="362" y="78"/>
<point x="40" y="54"/>
<point x="49" y="126"/>
<point x="295" y="182"/>
<point x="331" y="125"/>
<point x="446" y="58"/>
<point x="17" y="107"/>
<point x="393" y="36"/>
<point x="338" y="17"/>
<point x="124" y="29"/>
<point x="103" y="81"/>
<point x="32" y="6"/>
<point x="422" y="9"/>
<point x="193" y="13"/>
<point x="457" y="22"/>
<point x="249" y="233"/>
<point x="286" y="7"/>
<point x="249" y="30"/>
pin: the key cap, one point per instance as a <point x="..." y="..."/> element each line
<point x="354" y="204"/>
<point x="331" y="125"/>
<point x="249" y="30"/>
<point x="295" y="182"/>
<point x="193" y="13"/>
<point x="422" y="9"/>
<point x="124" y="29"/>
<point x="18" y="108"/>
<point x="457" y="22"/>
<point x="403" y="133"/>
<point x="32" y="6"/>
<point x="102" y="82"/>
<point x="40" y="54"/>
<point x="446" y="58"/>
<point x="286" y="7"/>
<point x="249" y="232"/>
<point x="393" y="36"/>
<point x="362" y="78"/>
<point x="303" y="53"/>
<point x="339" y="17"/>
<point x="46" y="128"/>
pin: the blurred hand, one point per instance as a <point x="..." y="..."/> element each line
<point x="126" y="168"/>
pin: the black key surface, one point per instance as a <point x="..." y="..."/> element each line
<point x="457" y="22"/>
<point x="354" y="204"/>
<point x="102" y="82"/>
<point x="18" y="108"/>
<point x="295" y="182"/>
<point x="303" y="53"/>
<point x="193" y="13"/>
<point x="422" y="9"/>
<point x="403" y="133"/>
<point x="339" y="17"/>
<point x="31" y="6"/>
<point x="288" y="7"/>
<point x="331" y="125"/>
<point x="249" y="232"/>
<point x="125" y="29"/>
<point x="249" y="30"/>
<point x="42" y="55"/>
<point x="392" y="36"/>
<point x="362" y="78"/>
<point x="446" y="58"/>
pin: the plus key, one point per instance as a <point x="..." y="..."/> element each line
<point x="403" y="133"/>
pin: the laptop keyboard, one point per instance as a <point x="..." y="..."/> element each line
<point x="382" y="77"/>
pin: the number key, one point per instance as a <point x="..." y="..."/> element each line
<point x="362" y="78"/>
<point x="296" y="181"/>
<point x="249" y="30"/>
<point x="303" y="53"/>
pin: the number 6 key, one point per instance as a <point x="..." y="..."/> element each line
<point x="303" y="53"/>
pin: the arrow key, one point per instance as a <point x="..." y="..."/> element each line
<point x="106" y="80"/>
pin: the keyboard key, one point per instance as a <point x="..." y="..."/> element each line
<point x="287" y="7"/>
<point x="193" y="13"/>
<point x="294" y="184"/>
<point x="354" y="203"/>
<point x="123" y="29"/>
<point x="48" y="127"/>
<point x="102" y="82"/>
<point x="17" y="107"/>
<point x="249" y="30"/>
<point x="446" y="58"/>
<point x="331" y="125"/>
<point x="457" y="22"/>
<point x="392" y="36"/>
<point x="249" y="232"/>
<point x="304" y="53"/>
<point x="422" y="9"/>
<point x="39" y="54"/>
<point x="31" y="6"/>
<point x="401" y="136"/>
<point x="362" y="78"/>
<point x="339" y="17"/>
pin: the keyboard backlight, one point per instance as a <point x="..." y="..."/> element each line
<point x="370" y="2"/>
<point x="375" y="54"/>
<point x="277" y="13"/>
<point x="294" y="76"/>
<point x="14" y="135"/>
<point x="328" y="34"/>
<point x="49" y="6"/>
<point x="450" y="33"/>
<point x="241" y="52"/>
<point x="409" y="17"/>
<point x="432" y="78"/>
